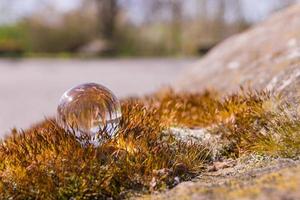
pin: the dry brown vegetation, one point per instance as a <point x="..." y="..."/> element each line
<point x="45" y="162"/>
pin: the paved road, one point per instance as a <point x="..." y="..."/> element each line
<point x="31" y="88"/>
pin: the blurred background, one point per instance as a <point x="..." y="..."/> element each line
<point x="124" y="27"/>
<point x="131" y="46"/>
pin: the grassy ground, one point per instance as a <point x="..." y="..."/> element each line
<point x="47" y="162"/>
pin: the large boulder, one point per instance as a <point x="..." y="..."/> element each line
<point x="265" y="57"/>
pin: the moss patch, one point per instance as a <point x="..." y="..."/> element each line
<point x="46" y="162"/>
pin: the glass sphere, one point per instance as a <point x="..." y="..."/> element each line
<point x="89" y="111"/>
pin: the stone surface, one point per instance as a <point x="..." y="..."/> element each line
<point x="250" y="178"/>
<point x="266" y="56"/>
<point x="213" y="143"/>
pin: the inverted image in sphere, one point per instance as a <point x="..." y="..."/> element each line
<point x="90" y="111"/>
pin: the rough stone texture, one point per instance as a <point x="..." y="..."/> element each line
<point x="250" y="178"/>
<point x="194" y="135"/>
<point x="265" y="57"/>
<point x="202" y="136"/>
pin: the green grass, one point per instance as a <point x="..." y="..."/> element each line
<point x="45" y="162"/>
<point x="12" y="40"/>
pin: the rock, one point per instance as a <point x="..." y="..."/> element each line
<point x="263" y="179"/>
<point x="194" y="135"/>
<point x="213" y="143"/>
<point x="222" y="165"/>
<point x="95" y="48"/>
<point x="266" y="56"/>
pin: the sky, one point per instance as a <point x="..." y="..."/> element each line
<point x="11" y="10"/>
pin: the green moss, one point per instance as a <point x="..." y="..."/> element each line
<point x="46" y="162"/>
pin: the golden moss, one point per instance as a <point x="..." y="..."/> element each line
<point x="46" y="162"/>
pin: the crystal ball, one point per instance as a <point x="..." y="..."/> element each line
<point x="89" y="111"/>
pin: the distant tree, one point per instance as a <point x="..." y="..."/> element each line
<point x="107" y="15"/>
<point x="171" y="11"/>
<point x="176" y="11"/>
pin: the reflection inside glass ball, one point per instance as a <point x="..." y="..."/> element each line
<point x="89" y="111"/>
